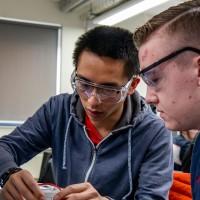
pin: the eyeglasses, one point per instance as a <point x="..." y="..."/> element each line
<point x="104" y="93"/>
<point x="146" y="74"/>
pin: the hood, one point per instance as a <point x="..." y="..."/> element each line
<point x="134" y="106"/>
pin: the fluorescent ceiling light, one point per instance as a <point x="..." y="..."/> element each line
<point x="126" y="11"/>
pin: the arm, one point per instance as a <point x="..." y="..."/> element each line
<point x="155" y="176"/>
<point x="20" y="146"/>
<point x="25" y="141"/>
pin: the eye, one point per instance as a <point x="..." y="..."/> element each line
<point x="155" y="80"/>
<point x="108" y="93"/>
<point x="82" y="86"/>
<point x="152" y="78"/>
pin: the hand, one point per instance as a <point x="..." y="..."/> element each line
<point x="21" y="185"/>
<point x="82" y="191"/>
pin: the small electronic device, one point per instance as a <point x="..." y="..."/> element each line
<point x="49" y="190"/>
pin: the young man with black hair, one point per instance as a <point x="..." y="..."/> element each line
<point x="106" y="142"/>
<point x="169" y="54"/>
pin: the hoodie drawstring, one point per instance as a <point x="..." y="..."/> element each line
<point x="129" y="164"/>
<point x="64" y="167"/>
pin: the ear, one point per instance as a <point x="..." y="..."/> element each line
<point x="197" y="61"/>
<point x="72" y="78"/>
<point x="133" y="86"/>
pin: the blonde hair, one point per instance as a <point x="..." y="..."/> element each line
<point x="183" y="18"/>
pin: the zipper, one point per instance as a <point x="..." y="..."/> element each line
<point x="91" y="166"/>
<point x="93" y="158"/>
<point x="95" y="149"/>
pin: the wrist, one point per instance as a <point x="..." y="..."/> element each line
<point x="4" y="178"/>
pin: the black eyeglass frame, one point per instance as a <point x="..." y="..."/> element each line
<point x="166" y="58"/>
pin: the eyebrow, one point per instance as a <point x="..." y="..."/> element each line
<point x="171" y="55"/>
<point x="105" y="84"/>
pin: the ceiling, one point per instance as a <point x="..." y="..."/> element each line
<point x="133" y="22"/>
<point x="89" y="9"/>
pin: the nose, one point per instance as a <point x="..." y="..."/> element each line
<point x="151" y="97"/>
<point x="94" y="99"/>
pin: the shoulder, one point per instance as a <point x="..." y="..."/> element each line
<point x="196" y="149"/>
<point x="149" y="119"/>
<point x="57" y="104"/>
<point x="59" y="100"/>
<point x="60" y="97"/>
<point x="153" y="131"/>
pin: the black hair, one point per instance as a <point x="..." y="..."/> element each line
<point x="113" y="42"/>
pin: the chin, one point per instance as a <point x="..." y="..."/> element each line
<point x="172" y="126"/>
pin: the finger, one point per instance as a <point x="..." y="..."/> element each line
<point x="11" y="190"/>
<point x="22" y="189"/>
<point x="83" y="196"/>
<point x="33" y="186"/>
<point x="25" y="184"/>
<point x="75" y="188"/>
<point x="7" y="196"/>
<point x="78" y="191"/>
<point x="10" y="193"/>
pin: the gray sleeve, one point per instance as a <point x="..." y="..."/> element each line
<point x="155" y="177"/>
<point x="26" y="140"/>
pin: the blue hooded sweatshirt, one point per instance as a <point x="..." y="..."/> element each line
<point x="133" y="162"/>
<point x="195" y="170"/>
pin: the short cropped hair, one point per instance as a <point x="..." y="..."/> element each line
<point x="113" y="42"/>
<point x="183" y="18"/>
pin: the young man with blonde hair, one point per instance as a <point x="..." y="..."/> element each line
<point x="169" y="56"/>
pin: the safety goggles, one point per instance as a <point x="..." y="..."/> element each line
<point x="147" y="73"/>
<point x="104" y="93"/>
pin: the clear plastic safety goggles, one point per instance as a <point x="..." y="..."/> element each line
<point x="104" y="94"/>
